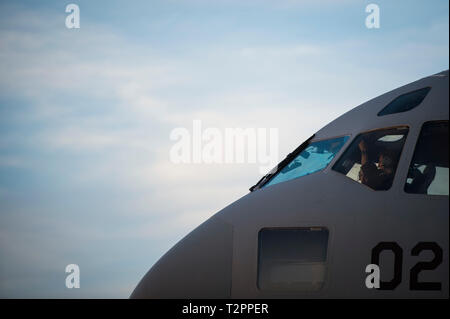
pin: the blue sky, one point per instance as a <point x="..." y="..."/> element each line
<point x="86" y="114"/>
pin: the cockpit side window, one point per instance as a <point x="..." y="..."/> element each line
<point x="428" y="171"/>
<point x="315" y="157"/>
<point x="372" y="158"/>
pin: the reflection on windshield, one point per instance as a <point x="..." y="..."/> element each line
<point x="312" y="159"/>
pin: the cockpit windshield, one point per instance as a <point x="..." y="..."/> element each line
<point x="315" y="157"/>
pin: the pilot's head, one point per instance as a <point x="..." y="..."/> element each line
<point x="385" y="163"/>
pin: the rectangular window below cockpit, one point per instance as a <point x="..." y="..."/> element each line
<point x="292" y="259"/>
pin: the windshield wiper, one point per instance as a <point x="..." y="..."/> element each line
<point x="281" y="165"/>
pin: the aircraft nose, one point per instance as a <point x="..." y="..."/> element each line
<point x="199" y="266"/>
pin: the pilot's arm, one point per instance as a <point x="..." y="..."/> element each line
<point x="363" y="148"/>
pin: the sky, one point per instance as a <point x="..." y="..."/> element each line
<point x="86" y="116"/>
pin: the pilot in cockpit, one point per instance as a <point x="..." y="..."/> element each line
<point x="377" y="176"/>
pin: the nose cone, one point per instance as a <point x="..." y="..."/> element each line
<point x="199" y="266"/>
